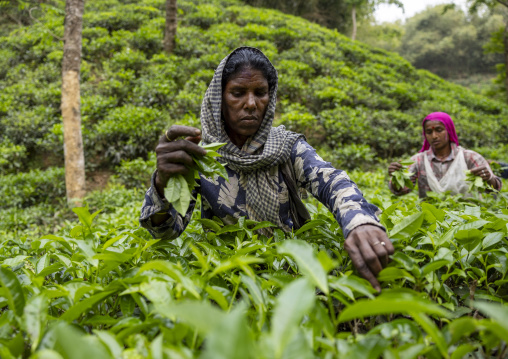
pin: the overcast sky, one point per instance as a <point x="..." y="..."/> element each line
<point x="392" y="13"/>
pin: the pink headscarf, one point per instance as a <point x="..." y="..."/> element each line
<point x="447" y="121"/>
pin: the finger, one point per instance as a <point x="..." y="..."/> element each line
<point x="176" y="131"/>
<point x="195" y="140"/>
<point x="388" y="246"/>
<point x="370" y="257"/>
<point x="360" y="265"/>
<point x="380" y="250"/>
<point x="477" y="170"/>
<point x="180" y="157"/>
<point x="180" y="145"/>
<point x="172" y="169"/>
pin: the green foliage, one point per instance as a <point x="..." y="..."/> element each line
<point x="134" y="173"/>
<point x="476" y="183"/>
<point x="179" y="188"/>
<point x="387" y="36"/>
<point x="496" y="45"/>
<point x="104" y="288"/>
<point x="402" y="178"/>
<point x="35" y="187"/>
<point x="332" y="14"/>
<point x="450" y="43"/>
<point x="127" y="131"/>
<point x="11" y="156"/>
<point x="353" y="156"/>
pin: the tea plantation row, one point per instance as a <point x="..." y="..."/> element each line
<point x="104" y="288"/>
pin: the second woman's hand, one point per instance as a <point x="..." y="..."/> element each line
<point x="394" y="166"/>
<point x="483" y="172"/>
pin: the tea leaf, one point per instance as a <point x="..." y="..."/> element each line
<point x="307" y="262"/>
<point x="12" y="291"/>
<point x="397" y="303"/>
<point x="405" y="228"/>
<point x="292" y="304"/>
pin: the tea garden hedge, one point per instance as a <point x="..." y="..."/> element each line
<point x="102" y="287"/>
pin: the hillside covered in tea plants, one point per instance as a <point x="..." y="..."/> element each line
<point x="351" y="100"/>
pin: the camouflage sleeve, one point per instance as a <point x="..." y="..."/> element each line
<point x="333" y="188"/>
<point x="174" y="225"/>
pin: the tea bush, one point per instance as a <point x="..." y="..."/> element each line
<point x="104" y="288"/>
<point x="11" y="157"/>
<point x="35" y="187"/>
<point x="136" y="173"/>
<point x="344" y="86"/>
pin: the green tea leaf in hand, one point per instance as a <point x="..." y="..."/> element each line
<point x="172" y="190"/>
<point x="179" y="189"/>
<point x="402" y="178"/>
<point x="213" y="146"/>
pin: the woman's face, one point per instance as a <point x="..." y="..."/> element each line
<point x="244" y="103"/>
<point x="436" y="134"/>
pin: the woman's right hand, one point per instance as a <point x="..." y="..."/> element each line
<point x="394" y="166"/>
<point x="174" y="155"/>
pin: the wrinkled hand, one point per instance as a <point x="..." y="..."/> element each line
<point x="174" y="155"/>
<point x="394" y="166"/>
<point x="483" y="172"/>
<point x="365" y="247"/>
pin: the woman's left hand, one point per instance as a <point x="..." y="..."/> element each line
<point x="483" y="172"/>
<point x="369" y="249"/>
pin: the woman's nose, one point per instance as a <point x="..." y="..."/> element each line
<point x="250" y="102"/>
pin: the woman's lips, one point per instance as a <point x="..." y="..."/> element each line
<point x="250" y="118"/>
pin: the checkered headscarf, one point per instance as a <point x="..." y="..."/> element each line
<point x="269" y="147"/>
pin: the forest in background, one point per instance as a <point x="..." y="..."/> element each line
<point x="462" y="45"/>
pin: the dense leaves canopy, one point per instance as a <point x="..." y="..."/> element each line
<point x="348" y="98"/>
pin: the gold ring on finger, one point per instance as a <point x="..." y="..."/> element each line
<point x="375" y="244"/>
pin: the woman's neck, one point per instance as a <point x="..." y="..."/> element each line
<point x="444" y="152"/>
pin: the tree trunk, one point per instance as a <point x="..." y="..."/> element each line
<point x="73" y="142"/>
<point x="171" y="24"/>
<point x="353" y="15"/>
<point x="505" y="38"/>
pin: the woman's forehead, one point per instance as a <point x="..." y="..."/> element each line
<point x="433" y="123"/>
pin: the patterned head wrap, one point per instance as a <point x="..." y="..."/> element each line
<point x="447" y="121"/>
<point x="255" y="161"/>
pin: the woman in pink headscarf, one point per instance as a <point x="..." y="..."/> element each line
<point x="441" y="164"/>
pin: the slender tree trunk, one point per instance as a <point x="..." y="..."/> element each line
<point x="505" y="40"/>
<point x="73" y="142"/>
<point x="353" y="16"/>
<point x="171" y="24"/>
